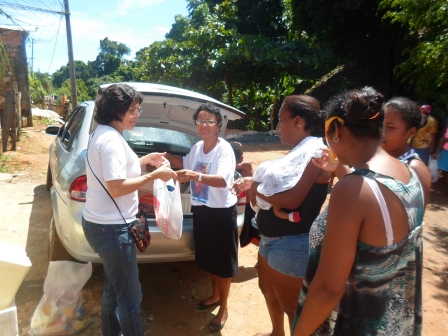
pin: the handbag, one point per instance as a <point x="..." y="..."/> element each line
<point x="138" y="229"/>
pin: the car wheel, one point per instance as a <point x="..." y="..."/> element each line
<point x="49" y="178"/>
<point x="55" y="249"/>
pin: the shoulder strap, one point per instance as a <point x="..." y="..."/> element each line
<point x="87" y="156"/>
<point x="385" y="212"/>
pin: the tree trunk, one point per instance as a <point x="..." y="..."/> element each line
<point x="1" y="134"/>
<point x="271" y="115"/>
<point x="229" y="89"/>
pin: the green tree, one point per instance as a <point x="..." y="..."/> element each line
<point x="37" y="90"/>
<point x="357" y="35"/>
<point x="268" y="18"/>
<point x="45" y="79"/>
<point x="81" y="90"/>
<point x="59" y="76"/>
<point x="94" y="83"/>
<point x="109" y="59"/>
<point x="205" y="52"/>
<point x="426" y="63"/>
<point x="81" y="69"/>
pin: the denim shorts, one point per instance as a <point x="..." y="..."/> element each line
<point x="287" y="255"/>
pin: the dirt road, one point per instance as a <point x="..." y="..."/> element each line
<point x="171" y="290"/>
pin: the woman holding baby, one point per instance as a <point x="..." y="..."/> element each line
<point x="291" y="184"/>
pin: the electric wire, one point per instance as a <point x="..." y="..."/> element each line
<point x="55" y="43"/>
<point x="30" y="8"/>
<point x="38" y="13"/>
<point x="13" y="20"/>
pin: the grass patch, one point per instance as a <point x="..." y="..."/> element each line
<point x="39" y="121"/>
<point x="3" y="166"/>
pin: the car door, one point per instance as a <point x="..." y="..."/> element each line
<point x="64" y="156"/>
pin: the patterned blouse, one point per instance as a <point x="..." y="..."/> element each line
<point x="423" y="137"/>
<point x="383" y="294"/>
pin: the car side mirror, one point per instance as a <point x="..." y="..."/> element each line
<point x="52" y="130"/>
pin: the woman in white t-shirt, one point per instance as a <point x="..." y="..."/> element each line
<point x="210" y="168"/>
<point x="112" y="164"/>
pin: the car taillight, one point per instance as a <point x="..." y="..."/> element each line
<point x="78" y="189"/>
<point x="241" y="198"/>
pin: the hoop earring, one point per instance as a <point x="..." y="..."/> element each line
<point x="335" y="139"/>
<point x="408" y="141"/>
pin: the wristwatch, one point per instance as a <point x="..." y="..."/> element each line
<point x="199" y="177"/>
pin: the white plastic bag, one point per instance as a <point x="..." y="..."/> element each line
<point x="433" y="169"/>
<point x="60" y="310"/>
<point x="168" y="207"/>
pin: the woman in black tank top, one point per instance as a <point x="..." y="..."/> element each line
<point x="283" y="248"/>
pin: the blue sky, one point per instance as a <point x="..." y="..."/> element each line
<point x="136" y="23"/>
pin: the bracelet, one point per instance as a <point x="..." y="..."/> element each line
<point x="294" y="217"/>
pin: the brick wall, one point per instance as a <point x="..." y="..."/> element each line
<point x="11" y="40"/>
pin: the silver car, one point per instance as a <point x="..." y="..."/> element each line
<point x="165" y="125"/>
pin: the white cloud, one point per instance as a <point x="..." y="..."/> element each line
<point x="161" y="29"/>
<point x="146" y="21"/>
<point x="127" y="6"/>
<point x="88" y="31"/>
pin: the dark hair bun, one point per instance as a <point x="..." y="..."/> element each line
<point x="361" y="110"/>
<point x="364" y="105"/>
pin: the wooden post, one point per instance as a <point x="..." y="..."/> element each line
<point x="71" y="62"/>
<point x="7" y="118"/>
<point x="13" y="122"/>
<point x="1" y="134"/>
<point x="18" y="123"/>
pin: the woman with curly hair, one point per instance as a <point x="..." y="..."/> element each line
<point x="112" y="165"/>
<point x="402" y="120"/>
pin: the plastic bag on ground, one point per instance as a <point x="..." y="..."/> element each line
<point x="60" y="310"/>
<point x="433" y="169"/>
<point x="168" y="207"/>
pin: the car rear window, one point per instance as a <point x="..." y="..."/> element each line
<point x="144" y="140"/>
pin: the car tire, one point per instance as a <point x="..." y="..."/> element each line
<point x="56" y="251"/>
<point x="49" y="178"/>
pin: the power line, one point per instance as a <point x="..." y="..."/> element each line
<point x="29" y="8"/>
<point x="28" y="15"/>
<point x="9" y="17"/>
<point x="41" y="14"/>
<point x="55" y="43"/>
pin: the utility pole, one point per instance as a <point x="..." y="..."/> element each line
<point x="32" y="54"/>
<point x="71" y="62"/>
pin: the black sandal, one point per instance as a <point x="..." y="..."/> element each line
<point x="202" y="306"/>
<point x="216" y="326"/>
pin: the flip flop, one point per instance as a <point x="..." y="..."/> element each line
<point x="216" y="326"/>
<point x="202" y="306"/>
